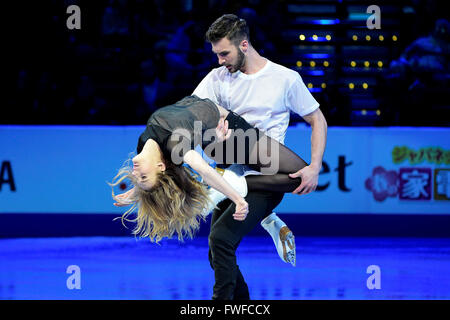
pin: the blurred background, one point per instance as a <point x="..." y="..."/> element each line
<point x="74" y="102"/>
<point x="140" y="55"/>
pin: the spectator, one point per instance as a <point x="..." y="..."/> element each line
<point x="420" y="76"/>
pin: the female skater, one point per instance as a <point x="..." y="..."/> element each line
<point x="167" y="194"/>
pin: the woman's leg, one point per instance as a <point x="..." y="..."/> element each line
<point x="268" y="153"/>
<point x="271" y="154"/>
<point x="279" y="182"/>
<point x="248" y="145"/>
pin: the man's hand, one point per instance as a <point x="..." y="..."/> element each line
<point x="310" y="174"/>
<point x="310" y="179"/>
<point x="222" y="131"/>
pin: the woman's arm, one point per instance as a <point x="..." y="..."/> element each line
<point x="216" y="181"/>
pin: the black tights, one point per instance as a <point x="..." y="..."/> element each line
<point x="288" y="162"/>
<point x="266" y="155"/>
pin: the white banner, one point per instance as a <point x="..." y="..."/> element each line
<point x="377" y="170"/>
<point x="64" y="169"/>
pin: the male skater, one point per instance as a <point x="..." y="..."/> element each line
<point x="263" y="93"/>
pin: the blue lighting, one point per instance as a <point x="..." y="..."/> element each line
<point x="314" y="73"/>
<point x="316" y="55"/>
<point x="315" y="89"/>
<point x="325" y="21"/>
<point x="318" y="39"/>
<point x="357" y="16"/>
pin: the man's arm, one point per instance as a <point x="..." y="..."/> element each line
<point x="310" y="174"/>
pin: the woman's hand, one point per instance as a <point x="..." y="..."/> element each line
<point x="212" y="178"/>
<point x="241" y="210"/>
<point x="222" y="131"/>
<point x="124" y="199"/>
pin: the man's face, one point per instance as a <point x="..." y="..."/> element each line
<point x="229" y="55"/>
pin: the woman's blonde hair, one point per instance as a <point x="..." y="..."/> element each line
<point x="174" y="204"/>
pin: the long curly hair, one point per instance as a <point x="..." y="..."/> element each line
<point x="175" y="204"/>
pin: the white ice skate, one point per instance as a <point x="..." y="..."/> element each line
<point x="282" y="237"/>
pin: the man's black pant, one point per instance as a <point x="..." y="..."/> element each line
<point x="224" y="238"/>
<point x="226" y="233"/>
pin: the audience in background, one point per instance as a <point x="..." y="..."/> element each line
<point x="139" y="55"/>
<point x="418" y="81"/>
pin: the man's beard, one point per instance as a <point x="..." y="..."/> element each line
<point x="239" y="63"/>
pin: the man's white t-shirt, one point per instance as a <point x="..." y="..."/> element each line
<point x="264" y="99"/>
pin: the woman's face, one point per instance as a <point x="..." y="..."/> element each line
<point x="146" y="165"/>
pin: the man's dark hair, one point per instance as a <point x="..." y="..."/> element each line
<point x="229" y="26"/>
